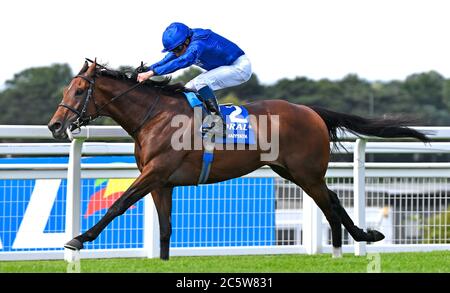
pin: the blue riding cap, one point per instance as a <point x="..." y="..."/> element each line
<point x="174" y="35"/>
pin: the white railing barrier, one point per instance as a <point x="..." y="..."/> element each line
<point x="359" y="187"/>
<point x="312" y="223"/>
<point x="151" y="228"/>
<point x="74" y="189"/>
<point x="311" y="238"/>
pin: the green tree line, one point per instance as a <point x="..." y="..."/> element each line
<point x="32" y="95"/>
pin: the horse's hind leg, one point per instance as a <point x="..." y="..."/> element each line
<point x="318" y="191"/>
<point x="357" y="233"/>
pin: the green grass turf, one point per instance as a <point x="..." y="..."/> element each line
<point x="438" y="261"/>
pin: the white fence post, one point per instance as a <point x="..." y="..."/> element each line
<point x="359" y="192"/>
<point x="312" y="225"/>
<point x="151" y="228"/>
<point x="74" y="188"/>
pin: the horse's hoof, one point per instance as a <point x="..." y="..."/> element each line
<point x="164" y="256"/>
<point x="374" y="235"/>
<point x="74" y="244"/>
<point x="337" y="252"/>
<point x="71" y="256"/>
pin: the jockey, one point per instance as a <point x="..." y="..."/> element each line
<point x="225" y="63"/>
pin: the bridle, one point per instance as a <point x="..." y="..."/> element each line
<point x="84" y="119"/>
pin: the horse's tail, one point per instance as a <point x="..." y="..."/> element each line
<point x="381" y="127"/>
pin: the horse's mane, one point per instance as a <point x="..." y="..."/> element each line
<point x="130" y="76"/>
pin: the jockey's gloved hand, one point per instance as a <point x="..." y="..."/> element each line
<point x="142" y="68"/>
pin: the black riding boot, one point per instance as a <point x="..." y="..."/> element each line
<point x="213" y="107"/>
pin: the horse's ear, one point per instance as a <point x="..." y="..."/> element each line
<point x="85" y="68"/>
<point x="92" y="67"/>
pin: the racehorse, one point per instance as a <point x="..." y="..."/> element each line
<point x="145" y="112"/>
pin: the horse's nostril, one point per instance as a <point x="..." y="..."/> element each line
<point x="55" y="127"/>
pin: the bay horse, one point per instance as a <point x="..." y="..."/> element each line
<point x="145" y="112"/>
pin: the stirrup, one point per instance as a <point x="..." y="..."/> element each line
<point x="205" y="129"/>
<point x="213" y="128"/>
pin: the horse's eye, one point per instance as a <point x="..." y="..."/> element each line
<point x="79" y="92"/>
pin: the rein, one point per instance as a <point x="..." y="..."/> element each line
<point x="118" y="96"/>
<point x="82" y="119"/>
<point x="149" y="112"/>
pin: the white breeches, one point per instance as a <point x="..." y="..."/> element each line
<point x="224" y="76"/>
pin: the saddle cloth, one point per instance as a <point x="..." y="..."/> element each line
<point x="239" y="129"/>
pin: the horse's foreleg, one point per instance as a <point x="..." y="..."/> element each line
<point x="163" y="202"/>
<point x="145" y="183"/>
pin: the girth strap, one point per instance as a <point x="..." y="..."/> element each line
<point x="208" y="157"/>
